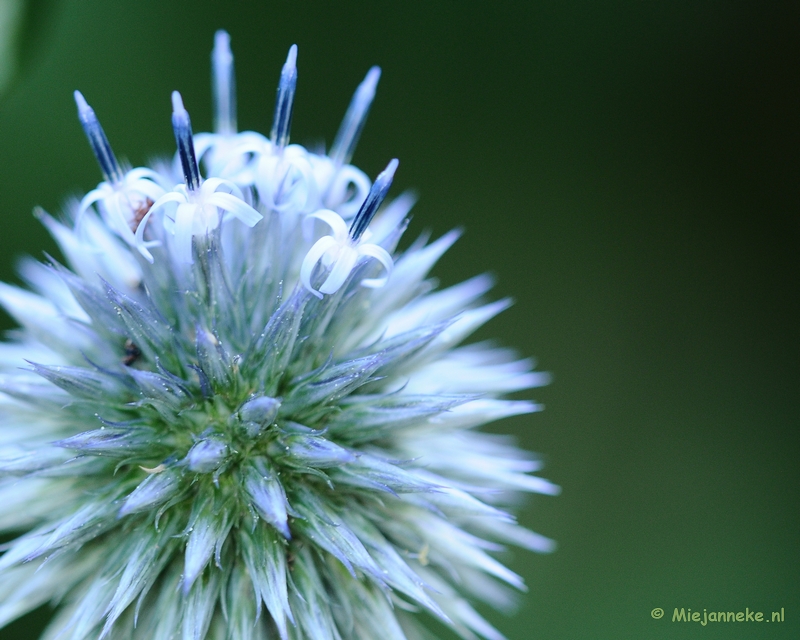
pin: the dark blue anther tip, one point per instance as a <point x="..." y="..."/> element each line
<point x="97" y="139"/>
<point x="182" y="127"/>
<point x="375" y="198"/>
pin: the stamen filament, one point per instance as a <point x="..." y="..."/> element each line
<point x="350" y="130"/>
<point x="284" y="102"/>
<point x="224" y="85"/>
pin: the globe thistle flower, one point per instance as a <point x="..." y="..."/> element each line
<point x="220" y="420"/>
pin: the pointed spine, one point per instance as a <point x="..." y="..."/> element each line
<point x="267" y="495"/>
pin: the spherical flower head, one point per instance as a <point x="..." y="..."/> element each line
<point x="219" y="421"/>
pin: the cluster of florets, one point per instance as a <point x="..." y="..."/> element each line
<point x="239" y="393"/>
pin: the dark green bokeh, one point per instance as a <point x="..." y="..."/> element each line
<point x="627" y="170"/>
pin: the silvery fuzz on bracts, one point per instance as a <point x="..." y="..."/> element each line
<point x="236" y="410"/>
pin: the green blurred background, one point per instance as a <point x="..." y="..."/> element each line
<point x="628" y="170"/>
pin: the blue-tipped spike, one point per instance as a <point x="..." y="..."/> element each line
<point x="282" y="121"/>
<point x="350" y="130"/>
<point x="375" y="198"/>
<point x="97" y="138"/>
<point x="207" y="455"/>
<point x="154" y="490"/>
<point x="223" y="83"/>
<point x="183" y="138"/>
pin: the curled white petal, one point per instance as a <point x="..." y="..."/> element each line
<point x="348" y="190"/>
<point x="233" y="157"/>
<point x="333" y="220"/>
<point x="382" y="256"/>
<point x="342" y="263"/>
<point x="159" y="204"/>
<point x="235" y="206"/>
<point x="195" y="213"/>
<point x="286" y="182"/>
<point x="340" y="253"/>
<point x="316" y="252"/>
<point x="123" y="204"/>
